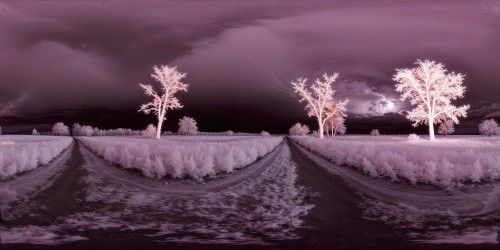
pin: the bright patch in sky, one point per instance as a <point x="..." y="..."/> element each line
<point x="391" y="104"/>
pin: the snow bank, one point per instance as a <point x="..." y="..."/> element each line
<point x="21" y="155"/>
<point x="178" y="160"/>
<point x="446" y="164"/>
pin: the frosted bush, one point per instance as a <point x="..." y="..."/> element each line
<point x="187" y="126"/>
<point x="118" y="132"/>
<point x="315" y="133"/>
<point x="86" y="131"/>
<point x="157" y="159"/>
<point x="299" y="129"/>
<point x="60" y="129"/>
<point x="230" y="133"/>
<point x="150" y="131"/>
<point x="446" y="128"/>
<point x="21" y="157"/>
<point x="375" y="132"/>
<point x="264" y="134"/>
<point x="438" y="165"/>
<point x="413" y="137"/>
<point x="34" y="132"/>
<point x="488" y="127"/>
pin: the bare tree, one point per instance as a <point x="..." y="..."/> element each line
<point x="431" y="88"/>
<point x="318" y="97"/>
<point x="446" y="128"/>
<point x="170" y="81"/>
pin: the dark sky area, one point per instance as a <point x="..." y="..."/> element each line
<point x="82" y="60"/>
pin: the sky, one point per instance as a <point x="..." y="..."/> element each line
<point x="81" y="61"/>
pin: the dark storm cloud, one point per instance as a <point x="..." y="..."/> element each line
<point x="85" y="54"/>
<point x="240" y="56"/>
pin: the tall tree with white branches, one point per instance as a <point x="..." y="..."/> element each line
<point x="318" y="97"/>
<point x="170" y="81"/>
<point x="431" y="88"/>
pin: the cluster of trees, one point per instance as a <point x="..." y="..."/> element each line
<point x="171" y="82"/>
<point x="78" y="130"/>
<point x="321" y="104"/>
<point x="428" y="86"/>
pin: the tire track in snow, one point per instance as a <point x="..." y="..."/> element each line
<point x="257" y="205"/>
<point x="426" y="213"/>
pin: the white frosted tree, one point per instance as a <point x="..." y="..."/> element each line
<point x="187" y="126"/>
<point x="75" y="131"/>
<point x="336" y="125"/>
<point x="150" y="131"/>
<point x="317" y="97"/>
<point x="86" y="131"/>
<point x="170" y="81"/>
<point x="60" y="129"/>
<point x="264" y="133"/>
<point x="299" y="129"/>
<point x="446" y="128"/>
<point x="35" y="132"/>
<point x="431" y="88"/>
<point x="375" y="132"/>
<point x="334" y="117"/>
<point x="488" y="127"/>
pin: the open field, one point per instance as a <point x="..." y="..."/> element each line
<point x="446" y="162"/>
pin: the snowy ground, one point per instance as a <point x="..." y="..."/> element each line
<point x="425" y="213"/>
<point x="208" y="138"/>
<point x="259" y="204"/>
<point x="291" y="198"/>
<point x="447" y="162"/>
<point x="196" y="159"/>
<point x="21" y="153"/>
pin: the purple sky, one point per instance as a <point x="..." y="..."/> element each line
<point x="81" y="61"/>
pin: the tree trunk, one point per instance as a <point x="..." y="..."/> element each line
<point x="320" y="130"/>
<point x="158" y="128"/>
<point x="335" y="132"/>
<point x="431" y="130"/>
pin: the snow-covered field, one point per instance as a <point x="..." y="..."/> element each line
<point x="22" y="153"/>
<point x="158" y="158"/>
<point x="267" y="205"/>
<point x="446" y="162"/>
<point x="205" y="138"/>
